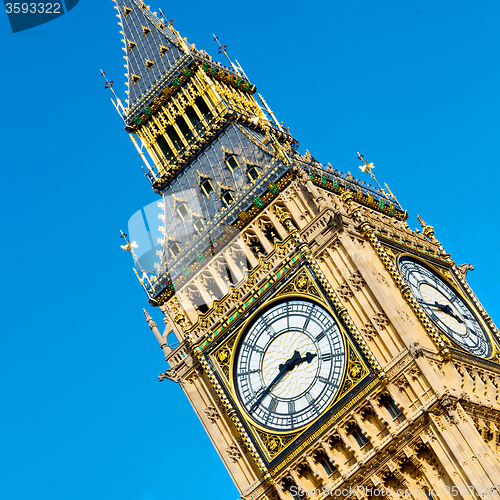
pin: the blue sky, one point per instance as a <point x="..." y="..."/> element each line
<point x="413" y="85"/>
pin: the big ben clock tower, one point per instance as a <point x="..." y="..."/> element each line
<point x="327" y="348"/>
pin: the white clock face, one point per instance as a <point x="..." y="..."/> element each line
<point x="446" y="308"/>
<point x="289" y="365"/>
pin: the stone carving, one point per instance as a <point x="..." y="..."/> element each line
<point x="344" y="292"/>
<point x="233" y="453"/>
<point x="358" y="240"/>
<point x="401" y="383"/>
<point x="242" y="444"/>
<point x="416" y="350"/>
<point x="449" y="406"/>
<point x="404" y="316"/>
<point x="431" y="435"/>
<point x="381" y="320"/>
<point x="380" y="278"/>
<point x="414" y="373"/>
<point x="357" y="281"/>
<point x="369" y="331"/>
<point x="463" y="268"/>
<point x="191" y="378"/>
<point x="212" y="413"/>
<point x="149" y="319"/>
<point x="168" y="375"/>
<point x="289" y="194"/>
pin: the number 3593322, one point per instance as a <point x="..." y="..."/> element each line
<point x="33" y="8"/>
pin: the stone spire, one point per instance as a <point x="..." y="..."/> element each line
<point x="154" y="328"/>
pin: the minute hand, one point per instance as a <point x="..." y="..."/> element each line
<point x="445" y="308"/>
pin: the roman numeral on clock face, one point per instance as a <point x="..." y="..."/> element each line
<point x="320" y="337"/>
<point x="244" y="374"/>
<point x="273" y="405"/>
<point x="326" y="381"/>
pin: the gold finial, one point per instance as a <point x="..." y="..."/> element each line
<point x="390" y="192"/>
<point x="170" y="22"/>
<point x="421" y="221"/>
<point x="283" y="215"/>
<point x="108" y="84"/>
<point x="180" y="319"/>
<point x="368" y="167"/>
<point x="268" y="109"/>
<point x="222" y="50"/>
<point x="129" y="247"/>
<point x="426" y="230"/>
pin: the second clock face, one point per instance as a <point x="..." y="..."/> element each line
<point x="289" y="365"/>
<point x="446" y="308"/>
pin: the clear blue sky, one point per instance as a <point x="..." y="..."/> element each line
<point x="413" y="85"/>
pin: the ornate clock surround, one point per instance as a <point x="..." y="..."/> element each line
<point x="445" y="270"/>
<point x="276" y="448"/>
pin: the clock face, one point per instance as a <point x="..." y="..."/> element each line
<point x="446" y="308"/>
<point x="289" y="365"/>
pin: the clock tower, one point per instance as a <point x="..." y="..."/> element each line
<point x="327" y="348"/>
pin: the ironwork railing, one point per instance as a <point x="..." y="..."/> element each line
<point x="353" y="183"/>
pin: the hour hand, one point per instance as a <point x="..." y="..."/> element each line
<point x="308" y="357"/>
<point x="290" y="363"/>
<point x="445" y="308"/>
<point x="296" y="360"/>
<point x="285" y="367"/>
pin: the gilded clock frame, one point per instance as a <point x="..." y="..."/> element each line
<point x="445" y="272"/>
<point x="357" y="377"/>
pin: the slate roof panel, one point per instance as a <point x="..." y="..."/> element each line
<point x="147" y="48"/>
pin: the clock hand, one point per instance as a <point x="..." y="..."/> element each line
<point x="445" y="308"/>
<point x="287" y="366"/>
<point x="283" y="368"/>
<point x="449" y="310"/>
<point x="308" y="357"/>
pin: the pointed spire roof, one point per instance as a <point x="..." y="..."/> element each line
<point x="153" y="48"/>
